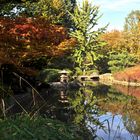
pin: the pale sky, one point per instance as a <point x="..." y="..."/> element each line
<point x="115" y="11"/>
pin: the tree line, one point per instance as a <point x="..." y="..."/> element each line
<point x="63" y="34"/>
<point x="123" y="47"/>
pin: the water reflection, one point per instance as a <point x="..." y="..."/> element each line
<point x="114" y="128"/>
<point x="123" y="122"/>
<point x="103" y="109"/>
<point x="128" y="90"/>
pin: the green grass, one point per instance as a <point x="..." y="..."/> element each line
<point x="39" y="128"/>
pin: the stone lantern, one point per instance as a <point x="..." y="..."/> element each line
<point x="64" y="76"/>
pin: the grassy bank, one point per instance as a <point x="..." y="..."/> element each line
<point x="39" y="128"/>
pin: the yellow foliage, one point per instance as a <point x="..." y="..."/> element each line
<point x="57" y="4"/>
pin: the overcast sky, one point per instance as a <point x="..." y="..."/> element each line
<point x="115" y="11"/>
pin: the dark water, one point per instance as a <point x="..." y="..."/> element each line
<point x="111" y="113"/>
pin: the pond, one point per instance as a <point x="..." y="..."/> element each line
<point x="110" y="112"/>
<point x="121" y="108"/>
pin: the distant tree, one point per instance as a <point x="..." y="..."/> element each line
<point x="114" y="40"/>
<point x="132" y="32"/>
<point x="85" y="18"/>
<point x="132" y="21"/>
<point x="119" y="49"/>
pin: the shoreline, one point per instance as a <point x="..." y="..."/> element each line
<point x="110" y="80"/>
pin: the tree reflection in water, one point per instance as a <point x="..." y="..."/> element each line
<point x="114" y="115"/>
<point x="123" y="121"/>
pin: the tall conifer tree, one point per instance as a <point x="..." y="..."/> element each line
<point x="85" y="18"/>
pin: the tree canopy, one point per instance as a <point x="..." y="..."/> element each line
<point x="123" y="47"/>
<point x="55" y="11"/>
<point x="34" y="30"/>
<point x="132" y="32"/>
<point x="85" y="18"/>
<point x="24" y="39"/>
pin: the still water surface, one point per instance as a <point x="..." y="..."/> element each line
<point x="121" y="118"/>
<point x="111" y="112"/>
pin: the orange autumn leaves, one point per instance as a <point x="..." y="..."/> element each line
<point x="114" y="40"/>
<point x="123" y="40"/>
<point x="27" y="38"/>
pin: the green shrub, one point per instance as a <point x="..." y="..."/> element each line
<point x="121" y="60"/>
<point x="49" y="75"/>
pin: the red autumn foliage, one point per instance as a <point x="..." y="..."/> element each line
<point x="27" y="38"/>
<point x="130" y="74"/>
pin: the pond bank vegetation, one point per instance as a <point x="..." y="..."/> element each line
<point x="40" y="38"/>
<point x="127" y="77"/>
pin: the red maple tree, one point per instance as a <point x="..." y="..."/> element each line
<point x="26" y="38"/>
